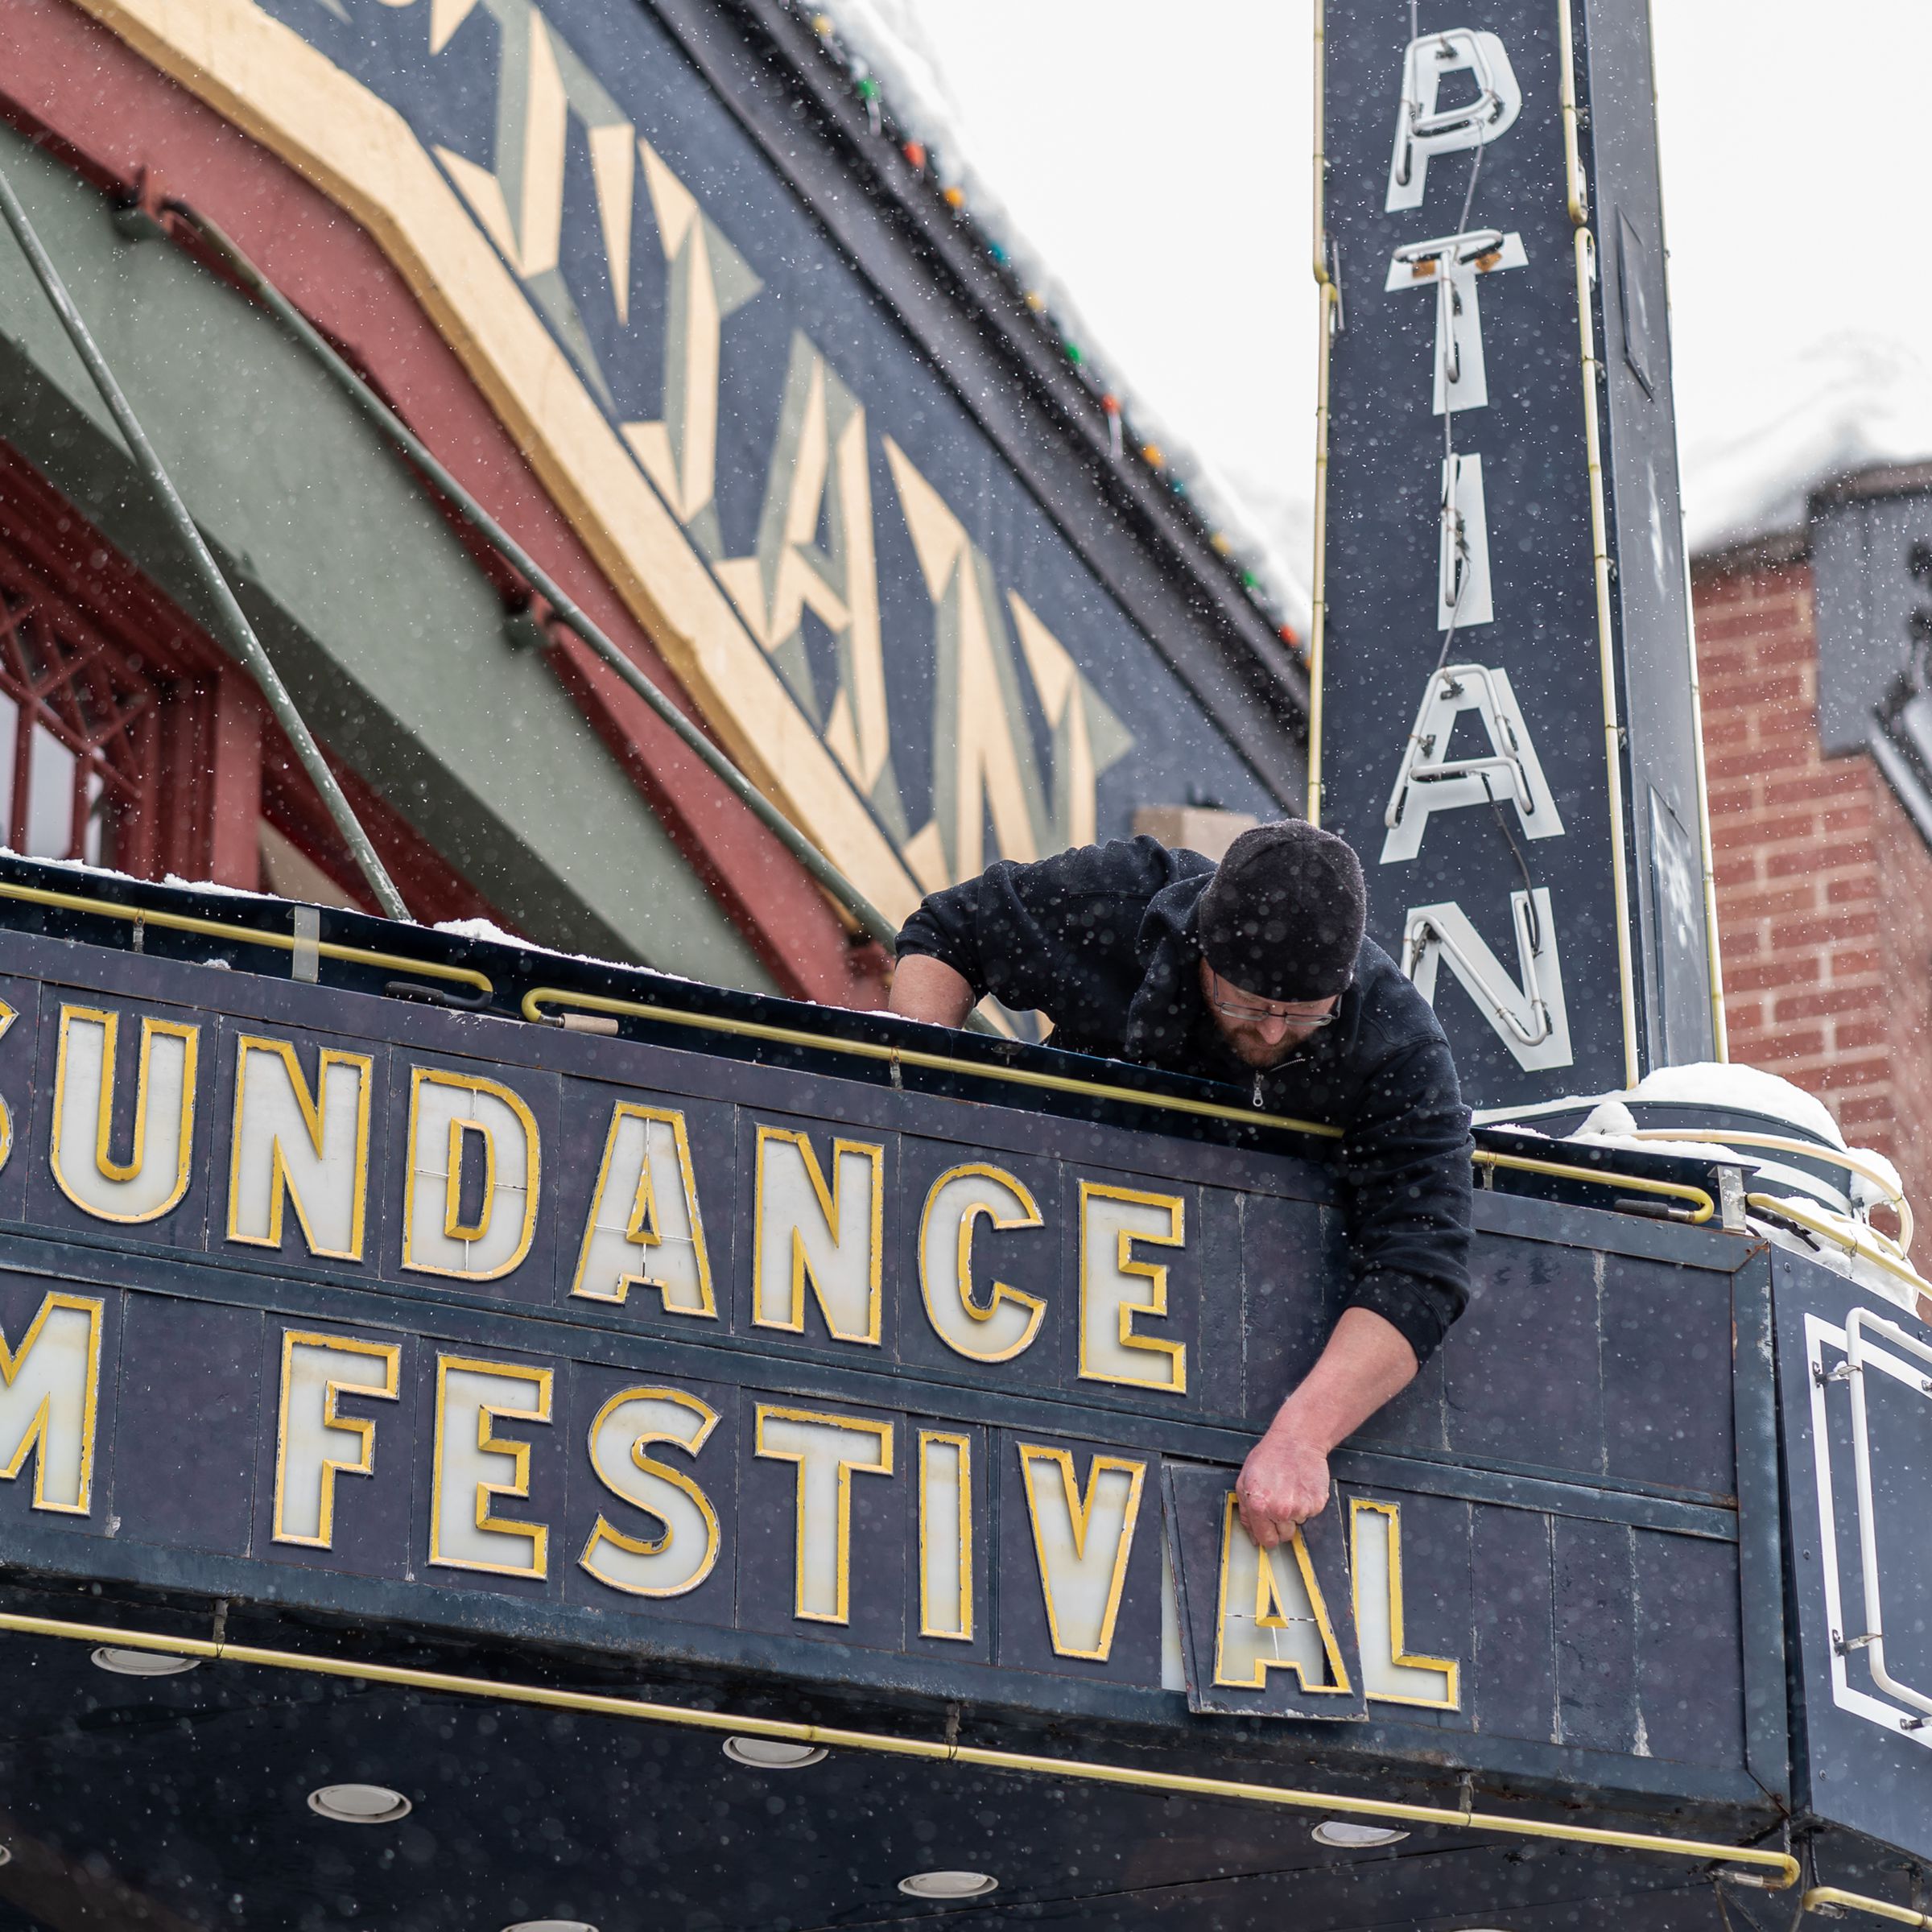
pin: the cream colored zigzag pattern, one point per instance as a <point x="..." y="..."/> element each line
<point x="360" y="152"/>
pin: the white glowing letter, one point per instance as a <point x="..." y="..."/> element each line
<point x="1462" y="593"/>
<point x="50" y="1391"/>
<point x="1529" y="1017"/>
<point x="464" y="1532"/>
<point x="1423" y="132"/>
<point x="644" y="1230"/>
<point x="1004" y="1323"/>
<point x="146" y="1186"/>
<point x="829" y="1450"/>
<point x="945" y="1535"/>
<point x="683" y="1555"/>
<point x="314" y="1442"/>
<point x="290" y="1144"/>
<point x="1081" y="1542"/>
<point x="829" y="1235"/>
<point x="1430" y="781"/>
<point x="449" y="1113"/>
<point x="1117" y="1286"/>
<point x="1389" y="1674"/>
<point x="1272" y="1615"/>
<point x="1450" y="268"/>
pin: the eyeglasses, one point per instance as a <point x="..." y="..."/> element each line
<point x="1250" y="1012"/>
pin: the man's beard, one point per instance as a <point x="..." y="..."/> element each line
<point x="1259" y="1053"/>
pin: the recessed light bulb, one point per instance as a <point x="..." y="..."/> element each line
<point x="359" y="1804"/>
<point x="141" y="1663"/>
<point x="1353" y="1837"/>
<point x="949" y="1884"/>
<point x="772" y="1753"/>
<point x="550" y="1924"/>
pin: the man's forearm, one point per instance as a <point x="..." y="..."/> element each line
<point x="1367" y="1362"/>
<point x="926" y="988"/>
<point x="1285" y="1480"/>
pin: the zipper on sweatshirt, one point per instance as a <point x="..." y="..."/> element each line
<point x="1258" y="1086"/>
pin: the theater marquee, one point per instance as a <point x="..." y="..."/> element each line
<point x="472" y="1325"/>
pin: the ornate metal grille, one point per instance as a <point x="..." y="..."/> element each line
<point x="72" y="707"/>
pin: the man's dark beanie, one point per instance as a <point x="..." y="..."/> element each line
<point x="1283" y="916"/>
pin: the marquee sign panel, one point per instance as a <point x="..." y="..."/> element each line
<point x="470" y="1325"/>
<point x="1858" y="1431"/>
<point x="1508" y="709"/>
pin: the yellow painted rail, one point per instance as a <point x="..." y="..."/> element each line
<point x="1781" y="1867"/>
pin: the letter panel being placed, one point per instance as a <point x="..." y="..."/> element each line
<point x="1264" y="1631"/>
<point x="1500" y="508"/>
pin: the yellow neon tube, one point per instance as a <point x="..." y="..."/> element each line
<point x="216" y="929"/>
<point x="1781" y="1864"/>
<point x="1604" y="1177"/>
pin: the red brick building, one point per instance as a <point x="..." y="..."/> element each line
<point x="1824" y="874"/>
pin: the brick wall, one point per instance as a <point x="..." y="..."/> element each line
<point x="1824" y="886"/>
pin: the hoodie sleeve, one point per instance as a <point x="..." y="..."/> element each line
<point x="1405" y="1178"/>
<point x="1057" y="936"/>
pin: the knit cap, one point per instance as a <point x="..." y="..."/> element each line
<point x="1282" y="917"/>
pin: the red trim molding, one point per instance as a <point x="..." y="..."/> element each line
<point x="215" y="763"/>
<point x="87" y="98"/>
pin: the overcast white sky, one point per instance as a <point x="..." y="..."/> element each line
<point x="1154" y="159"/>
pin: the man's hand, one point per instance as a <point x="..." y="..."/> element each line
<point x="1285" y="1480"/>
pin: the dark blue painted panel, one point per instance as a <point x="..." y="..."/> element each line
<point x="186" y="1435"/>
<point x="797" y="294"/>
<point x="1596" y="1636"/>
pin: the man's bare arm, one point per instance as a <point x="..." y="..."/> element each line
<point x="926" y="988"/>
<point x="1285" y="1480"/>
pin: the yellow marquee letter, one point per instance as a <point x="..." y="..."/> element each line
<point x="1005" y="1322"/>
<point x="1082" y="1543"/>
<point x="153" y="1182"/>
<point x="50" y="1391"/>
<point x="684" y="1556"/>
<point x="829" y="1450"/>
<point x="644" y="1230"/>
<point x="1116" y="1286"/>
<point x="315" y="1443"/>
<point x="829" y="1237"/>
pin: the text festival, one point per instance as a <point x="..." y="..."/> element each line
<point x="290" y="1167"/>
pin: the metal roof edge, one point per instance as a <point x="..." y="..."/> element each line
<point x="951" y="296"/>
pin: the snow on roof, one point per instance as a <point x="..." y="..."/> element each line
<point x="1707" y="1083"/>
<point x="1856" y="400"/>
<point x="1263" y="529"/>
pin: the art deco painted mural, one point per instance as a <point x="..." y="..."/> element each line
<point x="879" y="619"/>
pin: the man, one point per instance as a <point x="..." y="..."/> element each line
<point x="1257" y="971"/>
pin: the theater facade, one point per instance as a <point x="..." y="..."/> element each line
<point x="552" y="1416"/>
<point x="724" y="361"/>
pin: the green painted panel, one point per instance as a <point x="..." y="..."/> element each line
<point x="389" y="639"/>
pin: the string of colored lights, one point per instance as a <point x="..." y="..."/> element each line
<point x="919" y="156"/>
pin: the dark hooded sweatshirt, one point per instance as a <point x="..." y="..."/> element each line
<point x="1101" y="939"/>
